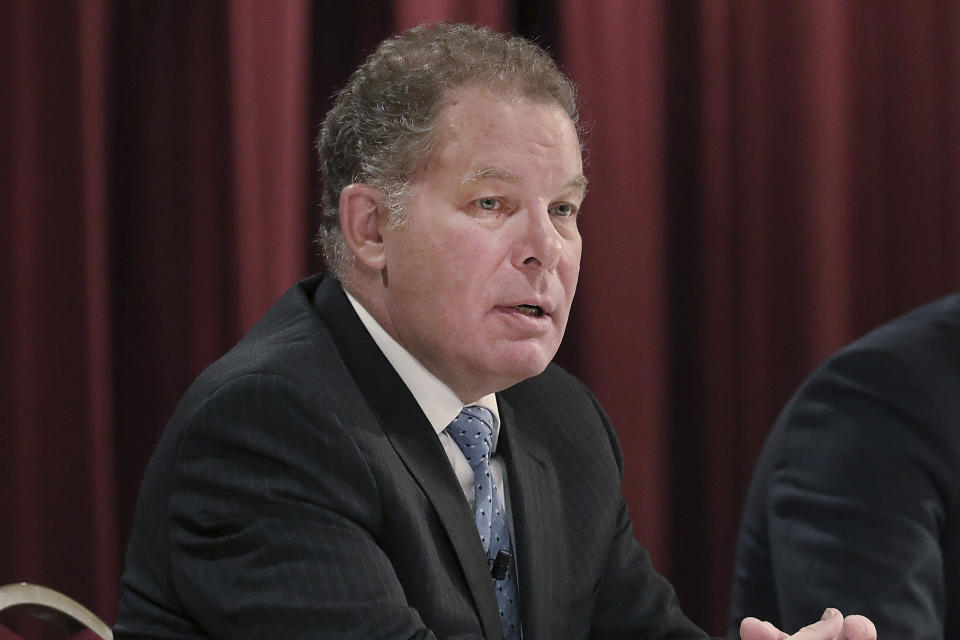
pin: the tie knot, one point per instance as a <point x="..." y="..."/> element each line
<point x="472" y="430"/>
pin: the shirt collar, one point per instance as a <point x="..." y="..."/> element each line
<point x="437" y="401"/>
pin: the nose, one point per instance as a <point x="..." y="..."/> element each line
<point x="541" y="244"/>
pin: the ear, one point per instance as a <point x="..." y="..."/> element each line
<point x="361" y="212"/>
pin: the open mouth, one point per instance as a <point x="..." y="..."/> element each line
<point x="528" y="310"/>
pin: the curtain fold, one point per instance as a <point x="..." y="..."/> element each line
<point x="410" y="13"/>
<point x="211" y="151"/>
<point x="57" y="481"/>
<point x="620" y="317"/>
<point x="269" y="85"/>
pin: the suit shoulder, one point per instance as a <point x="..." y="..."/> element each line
<point x="916" y="355"/>
<point x="291" y="343"/>
<point x="930" y="324"/>
<point x="887" y="400"/>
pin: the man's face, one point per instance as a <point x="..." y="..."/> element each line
<point x="480" y="279"/>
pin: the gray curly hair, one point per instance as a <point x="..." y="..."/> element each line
<point x="380" y="130"/>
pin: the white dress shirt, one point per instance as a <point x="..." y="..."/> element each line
<point x="440" y="404"/>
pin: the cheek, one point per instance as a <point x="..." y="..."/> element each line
<point x="423" y="266"/>
<point x="472" y="261"/>
<point x="570" y="273"/>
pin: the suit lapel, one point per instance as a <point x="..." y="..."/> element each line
<point x="535" y="507"/>
<point x="414" y="440"/>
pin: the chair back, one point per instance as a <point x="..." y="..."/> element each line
<point x="52" y="606"/>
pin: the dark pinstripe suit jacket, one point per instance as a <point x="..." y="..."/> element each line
<point x="299" y="492"/>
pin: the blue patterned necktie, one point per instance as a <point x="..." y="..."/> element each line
<point x="472" y="430"/>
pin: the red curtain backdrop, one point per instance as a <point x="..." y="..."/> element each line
<point x="767" y="182"/>
<point x="57" y="429"/>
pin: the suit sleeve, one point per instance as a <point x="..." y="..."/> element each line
<point x="272" y="514"/>
<point x="857" y="498"/>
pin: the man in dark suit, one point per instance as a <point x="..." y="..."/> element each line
<point x="389" y="453"/>
<point x="861" y="474"/>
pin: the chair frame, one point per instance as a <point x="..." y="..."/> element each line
<point x="52" y="606"/>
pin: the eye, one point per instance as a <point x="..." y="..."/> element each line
<point x="490" y="204"/>
<point x="564" y="210"/>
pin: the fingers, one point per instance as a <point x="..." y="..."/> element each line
<point x="832" y="626"/>
<point x="827" y="628"/>
<point x="858" y="628"/>
<point x="753" y="629"/>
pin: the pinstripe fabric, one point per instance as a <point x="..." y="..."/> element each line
<point x="299" y="492"/>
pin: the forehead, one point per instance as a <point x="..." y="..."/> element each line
<point x="485" y="133"/>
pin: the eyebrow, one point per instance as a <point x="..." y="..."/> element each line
<point x="492" y="173"/>
<point x="579" y="181"/>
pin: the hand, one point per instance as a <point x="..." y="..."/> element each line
<point x="832" y="626"/>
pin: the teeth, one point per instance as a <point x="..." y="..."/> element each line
<point x="529" y="309"/>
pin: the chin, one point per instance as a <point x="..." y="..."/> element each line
<point x="511" y="361"/>
<point x="521" y="367"/>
